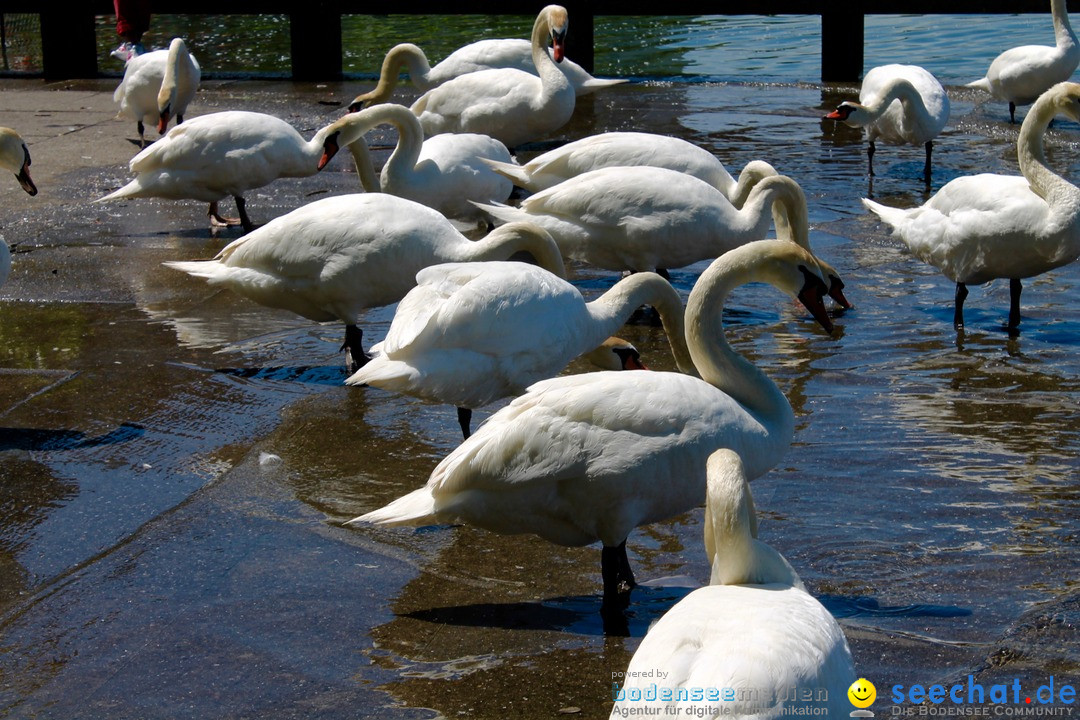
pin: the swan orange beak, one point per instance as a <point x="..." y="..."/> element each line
<point x="558" y="45"/>
<point x="633" y="363"/>
<point x="163" y="121"/>
<point x="811" y="296"/>
<point x="359" y="103"/>
<point x="834" y="115"/>
<point x="24" y="175"/>
<point x="330" y="148"/>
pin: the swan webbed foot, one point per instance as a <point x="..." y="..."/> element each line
<point x="464" y="418"/>
<point x="618" y="577"/>
<point x="1015" y="288"/>
<point x="355" y="357"/>
<point x="216" y="219"/>
<point x="958" y="311"/>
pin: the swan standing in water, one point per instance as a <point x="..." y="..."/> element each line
<point x="650" y="218"/>
<point x="589" y="457"/>
<point x="1021" y="74"/>
<point x="334" y="258"/>
<point x="157" y="86"/>
<point x="900" y="104"/>
<point x="753" y="632"/>
<point x="469" y="334"/>
<point x="444" y="172"/>
<point x="981" y="227"/>
<point x="15" y="158"/>
<point x="226" y="153"/>
<point x="474" y="57"/>
<point x="625" y="149"/>
<point x="510" y="105"/>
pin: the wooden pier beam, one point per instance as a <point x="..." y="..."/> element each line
<point x="841" y="44"/>
<point x="315" y="36"/>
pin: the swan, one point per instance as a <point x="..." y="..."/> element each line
<point x="481" y="55"/>
<point x="335" y="257"/>
<point x="612" y="149"/>
<point x="753" y="637"/>
<point x="981" y="227"/>
<point x="225" y="153"/>
<point x="469" y="334"/>
<point x="615" y="354"/>
<point x="444" y="172"/>
<point x="589" y="457"/>
<point x="1021" y="74"/>
<point x="650" y="218"/>
<point x="157" y="86"/>
<point x="902" y="105"/>
<point x="510" y="105"/>
<point x="15" y="158"/>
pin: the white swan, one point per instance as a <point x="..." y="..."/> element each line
<point x="15" y="158"/>
<point x="333" y="258"/>
<point x="615" y="353"/>
<point x="651" y="218"/>
<point x="474" y="57"/>
<point x="469" y="334"/>
<point x="612" y="149"/>
<point x="510" y="105"/>
<point x="589" y="457"/>
<point x="227" y="153"/>
<point x="157" y="86"/>
<point x="1021" y="74"/>
<point x="444" y="172"/>
<point x="981" y="227"/>
<point x="900" y="104"/>
<point x="754" y="637"/>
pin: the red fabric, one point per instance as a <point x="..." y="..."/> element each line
<point x="132" y="18"/>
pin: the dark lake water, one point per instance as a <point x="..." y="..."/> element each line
<point x="176" y="545"/>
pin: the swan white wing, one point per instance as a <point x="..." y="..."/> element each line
<point x="450" y="172"/>
<point x="1021" y="74"/>
<point x="138" y="90"/>
<point x="897" y="124"/>
<point x="749" y="643"/>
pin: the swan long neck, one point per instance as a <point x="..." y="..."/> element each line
<point x="552" y="77"/>
<point x="1046" y="183"/>
<point x="730" y="520"/>
<point x="1064" y="37"/>
<point x="754" y="172"/>
<point x="404" y="55"/>
<point x="897" y="89"/>
<point x="718" y="364"/>
<point x="178" y="72"/>
<point x="402" y="162"/>
<point x="514" y="237"/>
<point x="780" y="199"/>
<point x="611" y="310"/>
<point x="365" y="167"/>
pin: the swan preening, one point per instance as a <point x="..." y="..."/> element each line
<point x="612" y="149"/>
<point x="753" y="631"/>
<point x="444" y="172"/>
<point x="583" y="458"/>
<point x="469" y="334"/>
<point x="228" y="153"/>
<point x="334" y="258"/>
<point x="900" y="104"/>
<point x="158" y="86"/>
<point x="981" y="227"/>
<point x="481" y="55"/>
<point x="1022" y="74"/>
<point x="510" y="105"/>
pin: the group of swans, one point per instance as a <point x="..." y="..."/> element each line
<point x="158" y="86"/>
<point x="15" y="158"/>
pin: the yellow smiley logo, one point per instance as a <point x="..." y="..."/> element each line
<point x="862" y="693"/>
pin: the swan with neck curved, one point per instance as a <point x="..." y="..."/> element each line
<point x="900" y="104"/>
<point x="15" y="158"/>
<point x="334" y="258"/>
<point x="1022" y="74"/>
<point x="624" y="149"/>
<point x="481" y="55"/>
<point x="158" y="86"/>
<point x="981" y="227"/>
<point x="754" y="627"/>
<point x="649" y="218"/>
<point x="227" y="153"/>
<point x="590" y="457"/>
<point x="470" y="334"/>
<point x="444" y="172"/>
<point x="510" y="105"/>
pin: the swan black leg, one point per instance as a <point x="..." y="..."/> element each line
<point x="142" y="133"/>
<point x="464" y="418"/>
<point x="870" y="157"/>
<point x="926" y="168"/>
<point x="958" y="312"/>
<point x="241" y="210"/>
<point x="354" y="344"/>
<point x="179" y="119"/>
<point x="1012" y="112"/>
<point x="1015" y="286"/>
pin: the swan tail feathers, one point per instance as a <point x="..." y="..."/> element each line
<point x="384" y="373"/>
<point x="502" y="213"/>
<point x="890" y="215"/>
<point x="511" y="171"/>
<point x="416" y="508"/>
<point x="132" y="189"/>
<point x="980" y="84"/>
<point x="595" y="84"/>
<point x="207" y="269"/>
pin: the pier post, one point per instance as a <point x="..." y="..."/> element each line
<point x="841" y="45"/>
<point x="581" y="37"/>
<point x="68" y="43"/>
<point x="315" y="39"/>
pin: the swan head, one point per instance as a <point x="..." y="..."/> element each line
<point x="1065" y="99"/>
<point x="15" y="156"/>
<point x="793" y="270"/>
<point x="850" y="113"/>
<point x="344" y="132"/>
<point x="557" y="20"/>
<point x="836" y="285"/>
<point x="616" y="354"/>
